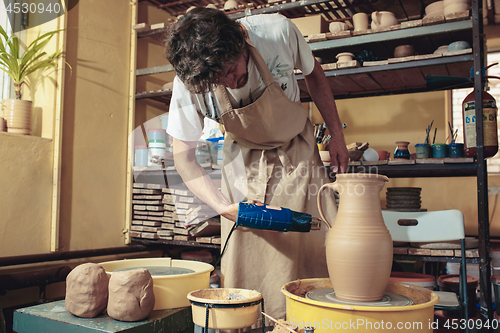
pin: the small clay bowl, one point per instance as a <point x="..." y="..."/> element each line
<point x="435" y="7"/>
<point x="460" y="45"/>
<point x="404" y="51"/>
<point x="355" y="155"/>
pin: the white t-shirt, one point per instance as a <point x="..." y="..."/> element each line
<point x="283" y="48"/>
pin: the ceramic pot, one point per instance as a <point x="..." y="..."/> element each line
<point x="404" y="51"/>
<point x="337" y="26"/>
<point x="344" y="57"/>
<point x="360" y="21"/>
<point x="230" y="4"/>
<point x="435" y="7"/>
<point x="456" y="46"/>
<point x="383" y="19"/>
<point x="455" y="8"/>
<point x="358" y="245"/>
<point x="402" y="152"/>
<point x="17" y="114"/>
<point x="454" y="2"/>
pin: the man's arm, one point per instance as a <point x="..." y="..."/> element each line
<point x="322" y="96"/>
<point x="198" y="180"/>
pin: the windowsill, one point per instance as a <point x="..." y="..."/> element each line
<point x="25" y="137"/>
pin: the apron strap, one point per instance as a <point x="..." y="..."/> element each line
<point x="265" y="73"/>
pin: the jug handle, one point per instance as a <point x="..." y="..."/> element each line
<point x="320" y="207"/>
<point x="376" y="18"/>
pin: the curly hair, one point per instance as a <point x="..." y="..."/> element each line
<point x="201" y="44"/>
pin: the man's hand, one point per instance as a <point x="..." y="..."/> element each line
<point x="339" y="156"/>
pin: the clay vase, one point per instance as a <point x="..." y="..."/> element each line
<point x="358" y="245"/>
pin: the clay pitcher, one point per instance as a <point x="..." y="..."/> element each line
<point x="358" y="245"/>
<point x="383" y="19"/>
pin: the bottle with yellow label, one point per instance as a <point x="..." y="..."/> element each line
<point x="490" y="134"/>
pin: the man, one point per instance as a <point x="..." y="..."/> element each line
<point x="240" y="74"/>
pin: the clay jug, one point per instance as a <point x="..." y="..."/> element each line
<point x="358" y="245"/>
<point x="383" y="19"/>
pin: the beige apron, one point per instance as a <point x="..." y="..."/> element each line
<point x="275" y="141"/>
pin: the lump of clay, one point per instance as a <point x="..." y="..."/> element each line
<point x="131" y="296"/>
<point x="86" y="290"/>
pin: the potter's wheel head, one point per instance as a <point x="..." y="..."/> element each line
<point x="327" y="295"/>
<point x="160" y="270"/>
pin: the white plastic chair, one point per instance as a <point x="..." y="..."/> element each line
<point x="436" y="226"/>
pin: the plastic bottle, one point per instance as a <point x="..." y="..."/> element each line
<point x="490" y="134"/>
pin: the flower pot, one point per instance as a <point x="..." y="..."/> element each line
<point x="17" y="114"/>
<point x="358" y="245"/>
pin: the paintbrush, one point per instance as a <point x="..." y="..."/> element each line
<point x="428" y="131"/>
<point x="434" y="139"/>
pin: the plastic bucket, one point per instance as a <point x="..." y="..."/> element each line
<point x="495" y="264"/>
<point x="156" y="134"/>
<point x="451" y="283"/>
<point x="229" y="308"/>
<point x="417" y="279"/>
<point x="141" y="155"/>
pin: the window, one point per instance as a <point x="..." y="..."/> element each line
<point x="458" y="95"/>
<point x="6" y="87"/>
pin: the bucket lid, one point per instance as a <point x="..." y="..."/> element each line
<point x="454" y="280"/>
<point x="156" y="130"/>
<point x="141" y="146"/>
<point x="411" y="277"/>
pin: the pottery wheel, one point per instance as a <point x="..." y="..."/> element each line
<point x="327" y="295"/>
<point x="160" y="270"/>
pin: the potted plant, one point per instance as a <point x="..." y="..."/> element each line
<point x="18" y="66"/>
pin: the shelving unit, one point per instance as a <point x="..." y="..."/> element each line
<point x="394" y="78"/>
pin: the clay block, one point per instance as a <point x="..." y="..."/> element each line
<point x="216" y="240"/>
<point x="155" y="208"/>
<point x="149" y="235"/>
<point x="168" y="226"/>
<point x="139" y="207"/>
<point x="166" y="190"/>
<point x="86" y="290"/>
<point x="135" y="234"/>
<point x="155" y="218"/>
<point x="205" y="240"/>
<point x="183" y="238"/>
<point x="419" y="252"/>
<point x="131" y="296"/>
<point x="140" y="212"/>
<point x="181" y="231"/>
<point x="164" y="233"/>
<point x="151" y="223"/>
<point x="137" y="228"/>
<point x="182" y="192"/>
<point x="442" y="253"/>
<point x="137" y="222"/>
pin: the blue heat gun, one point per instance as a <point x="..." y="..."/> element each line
<point x="262" y="216"/>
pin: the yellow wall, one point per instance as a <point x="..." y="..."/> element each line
<point x="94" y="145"/>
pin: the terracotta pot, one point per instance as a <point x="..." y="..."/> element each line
<point x="404" y="51"/>
<point x="383" y="19"/>
<point x="17" y="114"/>
<point x="358" y="245"/>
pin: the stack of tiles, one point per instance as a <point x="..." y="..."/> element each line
<point x="171" y="214"/>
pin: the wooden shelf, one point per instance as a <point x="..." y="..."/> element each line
<point x="176" y="243"/>
<point x="419" y="170"/>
